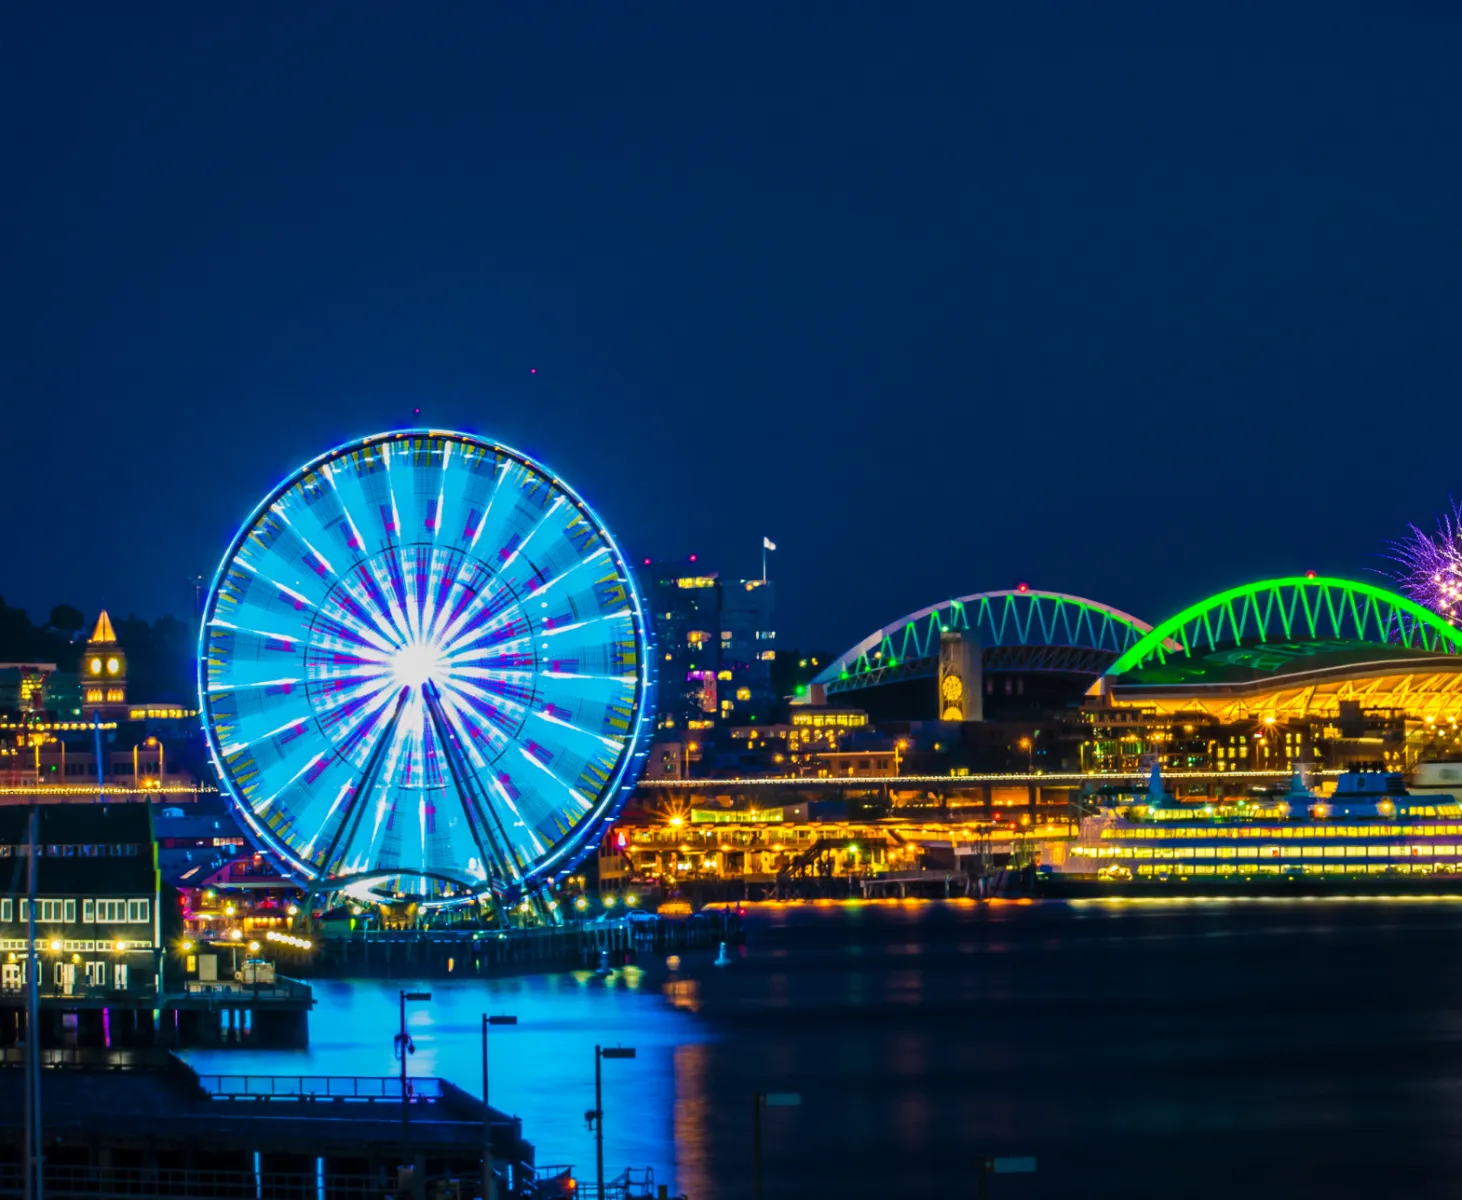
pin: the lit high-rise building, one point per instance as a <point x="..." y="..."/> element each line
<point x="714" y="645"/>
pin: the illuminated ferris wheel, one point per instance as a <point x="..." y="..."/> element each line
<point x="422" y="671"/>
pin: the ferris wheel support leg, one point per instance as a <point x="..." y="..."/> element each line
<point x="496" y="857"/>
<point x="356" y="810"/>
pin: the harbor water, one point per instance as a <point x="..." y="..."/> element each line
<point x="1310" y="1046"/>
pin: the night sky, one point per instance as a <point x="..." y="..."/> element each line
<point x="1132" y="301"/>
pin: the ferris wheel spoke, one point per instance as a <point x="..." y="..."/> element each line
<point x="497" y="638"/>
<point x="354" y="543"/>
<point x="489" y="605"/>
<point x="353" y="720"/>
<point x="361" y="597"/>
<point x="538" y="523"/>
<point x="560" y="578"/>
<point x="348" y="621"/>
<point x="454" y="590"/>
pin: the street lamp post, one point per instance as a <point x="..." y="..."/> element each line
<point x="489" y="1184"/>
<point x="404" y="1047"/>
<point x="767" y="1100"/>
<point x="596" y="1117"/>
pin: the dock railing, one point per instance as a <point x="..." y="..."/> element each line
<point x="367" y="1088"/>
<point x="282" y="988"/>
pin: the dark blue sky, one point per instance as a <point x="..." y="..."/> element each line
<point x="1134" y="301"/>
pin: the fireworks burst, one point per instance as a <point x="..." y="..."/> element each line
<point x="1429" y="565"/>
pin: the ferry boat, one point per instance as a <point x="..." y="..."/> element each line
<point x="1372" y="825"/>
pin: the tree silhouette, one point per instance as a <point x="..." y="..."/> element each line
<point x="66" y="619"/>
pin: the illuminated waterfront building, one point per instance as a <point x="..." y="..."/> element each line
<point x="1284" y="671"/>
<point x="714" y="644"/>
<point x="799" y="746"/>
<point x="29" y="687"/>
<point x="98" y="912"/>
<point x="55" y="760"/>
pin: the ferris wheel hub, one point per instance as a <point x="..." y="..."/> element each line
<point x="418" y="663"/>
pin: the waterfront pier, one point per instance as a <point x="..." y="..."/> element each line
<point x="143" y="1123"/>
<point x="474" y="953"/>
<point x="212" y="1014"/>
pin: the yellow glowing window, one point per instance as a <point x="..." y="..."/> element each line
<point x="96" y="666"/>
<point x="113" y="666"/>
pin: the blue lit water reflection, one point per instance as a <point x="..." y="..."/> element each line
<point x="542" y="1070"/>
<point x="1308" y="1047"/>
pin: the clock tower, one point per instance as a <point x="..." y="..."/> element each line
<point x="103" y="671"/>
<point x="961" y="688"/>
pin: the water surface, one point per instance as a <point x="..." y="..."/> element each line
<point x="1247" y="1048"/>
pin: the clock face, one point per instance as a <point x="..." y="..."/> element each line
<point x="952" y="688"/>
<point x="96" y="666"/>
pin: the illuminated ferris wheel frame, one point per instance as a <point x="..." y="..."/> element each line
<point x="581" y="839"/>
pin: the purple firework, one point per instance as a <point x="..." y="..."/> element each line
<point x="1429" y="565"/>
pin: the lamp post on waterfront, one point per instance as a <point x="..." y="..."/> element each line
<point x="404" y="1047"/>
<point x="489" y="1184"/>
<point x="596" y="1115"/>
<point x="767" y="1100"/>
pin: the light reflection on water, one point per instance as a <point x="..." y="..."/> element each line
<point x="1144" y="1049"/>
<point x="542" y="1070"/>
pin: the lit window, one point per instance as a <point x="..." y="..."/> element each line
<point x="96" y="666"/>
<point x="113" y="666"/>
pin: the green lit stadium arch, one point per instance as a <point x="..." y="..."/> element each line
<point x="1290" y="608"/>
<point x="1019" y="629"/>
